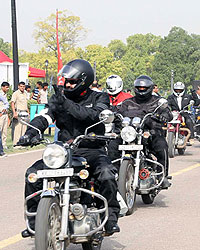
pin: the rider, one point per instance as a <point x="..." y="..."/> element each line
<point x="114" y="86"/>
<point x="74" y="111"/>
<point x="177" y="101"/>
<point x="143" y="103"/>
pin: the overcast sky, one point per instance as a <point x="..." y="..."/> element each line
<point x="105" y="19"/>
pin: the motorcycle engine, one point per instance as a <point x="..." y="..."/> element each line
<point x="88" y="223"/>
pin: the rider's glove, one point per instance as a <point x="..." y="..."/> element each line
<point x="60" y="98"/>
<point x="24" y="140"/>
<point x="160" y="118"/>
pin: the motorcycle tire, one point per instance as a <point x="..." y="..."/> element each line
<point x="91" y="246"/>
<point x="148" y="198"/>
<point x="171" y="144"/>
<point x="125" y="184"/>
<point x="181" y="151"/>
<point x="48" y="225"/>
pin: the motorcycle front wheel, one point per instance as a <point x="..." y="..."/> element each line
<point x="171" y="144"/>
<point x="125" y="184"/>
<point x="91" y="246"/>
<point x="48" y="225"/>
<point x="148" y="198"/>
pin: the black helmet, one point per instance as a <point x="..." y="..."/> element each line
<point x="147" y="83"/>
<point x="78" y="72"/>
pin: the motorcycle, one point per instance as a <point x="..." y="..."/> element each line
<point x="62" y="217"/>
<point x="196" y="120"/>
<point x="138" y="164"/>
<point x="177" y="133"/>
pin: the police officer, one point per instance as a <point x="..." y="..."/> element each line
<point x="18" y="104"/>
<point x="142" y="103"/>
<point x="74" y="111"/>
<point x="177" y="101"/>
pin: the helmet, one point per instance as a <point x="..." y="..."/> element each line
<point x="179" y="89"/>
<point x="147" y="83"/>
<point x="78" y="72"/>
<point x="114" y="84"/>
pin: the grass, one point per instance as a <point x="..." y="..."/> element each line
<point x="12" y="150"/>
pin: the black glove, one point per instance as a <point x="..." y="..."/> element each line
<point x="24" y="140"/>
<point x="160" y="118"/>
<point x="60" y="98"/>
<point x="27" y="140"/>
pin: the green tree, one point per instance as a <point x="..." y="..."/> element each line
<point x="105" y="65"/>
<point x="5" y="47"/>
<point x="70" y="32"/>
<point x="139" y="55"/>
<point x="179" y="52"/>
<point x="118" y="48"/>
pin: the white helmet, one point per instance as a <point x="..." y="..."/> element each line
<point x="114" y="84"/>
<point x="179" y="86"/>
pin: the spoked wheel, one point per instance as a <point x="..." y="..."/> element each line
<point x="48" y="225"/>
<point x="125" y="184"/>
<point x="148" y="198"/>
<point x="91" y="246"/>
<point x="171" y="144"/>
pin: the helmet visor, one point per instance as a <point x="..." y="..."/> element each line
<point x="69" y="72"/>
<point x="112" y="86"/>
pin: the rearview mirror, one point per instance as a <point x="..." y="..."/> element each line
<point x="163" y="103"/>
<point x="106" y="116"/>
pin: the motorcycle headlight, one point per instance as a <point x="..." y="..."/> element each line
<point x="128" y="134"/>
<point x="55" y="156"/>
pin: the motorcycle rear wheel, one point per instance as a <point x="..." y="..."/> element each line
<point x="91" y="246"/>
<point x="125" y="184"/>
<point x="148" y="198"/>
<point x="48" y="225"/>
<point x="171" y="144"/>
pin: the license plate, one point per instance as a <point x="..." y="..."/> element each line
<point x="130" y="147"/>
<point x="55" y="173"/>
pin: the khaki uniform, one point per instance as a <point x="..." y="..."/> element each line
<point x="3" y="121"/>
<point x="20" y="102"/>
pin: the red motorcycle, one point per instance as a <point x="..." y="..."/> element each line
<point x="177" y="134"/>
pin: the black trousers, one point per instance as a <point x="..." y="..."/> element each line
<point x="159" y="148"/>
<point x="100" y="168"/>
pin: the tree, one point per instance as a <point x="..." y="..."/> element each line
<point x="179" y="52"/>
<point x="118" y="48"/>
<point x="139" y="55"/>
<point x="5" y="47"/>
<point x="70" y="32"/>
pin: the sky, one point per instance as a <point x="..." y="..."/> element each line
<point x="106" y="20"/>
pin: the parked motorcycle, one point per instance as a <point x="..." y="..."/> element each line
<point x="145" y="175"/>
<point x="62" y="217"/>
<point x="177" y="133"/>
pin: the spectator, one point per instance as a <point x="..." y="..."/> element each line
<point x="2" y="154"/>
<point x="196" y="96"/>
<point x="36" y="91"/>
<point x="43" y="94"/>
<point x="129" y="91"/>
<point x="95" y="86"/>
<point x="28" y="91"/>
<point x="155" y="90"/>
<point x="4" y="112"/>
<point x="18" y="104"/>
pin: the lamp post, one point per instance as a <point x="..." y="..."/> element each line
<point x="172" y="80"/>
<point x="46" y="69"/>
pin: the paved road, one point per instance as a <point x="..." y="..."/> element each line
<point x="171" y="223"/>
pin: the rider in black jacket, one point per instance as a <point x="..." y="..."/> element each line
<point x="74" y="111"/>
<point x="142" y="103"/>
<point x="178" y="100"/>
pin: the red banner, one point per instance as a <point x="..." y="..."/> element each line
<point x="60" y="79"/>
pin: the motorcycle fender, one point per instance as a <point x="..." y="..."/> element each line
<point x="127" y="157"/>
<point x="48" y="193"/>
